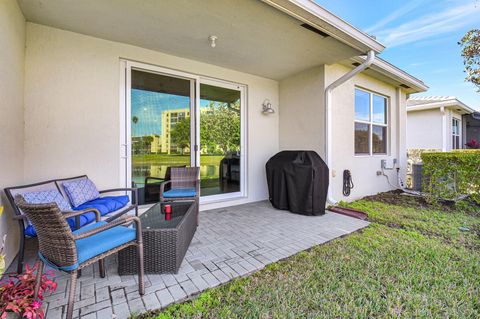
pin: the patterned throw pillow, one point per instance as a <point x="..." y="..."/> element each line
<point x="80" y="191"/>
<point x="48" y="196"/>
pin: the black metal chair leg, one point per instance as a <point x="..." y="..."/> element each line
<point x="21" y="255"/>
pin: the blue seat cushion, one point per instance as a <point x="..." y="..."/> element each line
<point x="180" y="192"/>
<point x="104" y="241"/>
<point x="97" y="244"/>
<point x="104" y="205"/>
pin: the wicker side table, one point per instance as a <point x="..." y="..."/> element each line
<point x="164" y="242"/>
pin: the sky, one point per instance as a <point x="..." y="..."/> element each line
<point x="147" y="106"/>
<point x="421" y="38"/>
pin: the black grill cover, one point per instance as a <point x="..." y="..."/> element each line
<point x="298" y="182"/>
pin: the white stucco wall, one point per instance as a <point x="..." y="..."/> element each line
<point x="12" y="67"/>
<point x="364" y="168"/>
<point x="302" y="126"/>
<point x="302" y="116"/>
<point x="72" y="113"/>
<point x="424" y="129"/>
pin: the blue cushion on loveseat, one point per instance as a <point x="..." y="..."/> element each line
<point x="104" y="205"/>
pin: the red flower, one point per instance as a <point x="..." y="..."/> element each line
<point x="473" y="144"/>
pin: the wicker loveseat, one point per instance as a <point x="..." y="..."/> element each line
<point x="110" y="207"/>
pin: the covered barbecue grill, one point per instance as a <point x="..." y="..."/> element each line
<point x="298" y="182"/>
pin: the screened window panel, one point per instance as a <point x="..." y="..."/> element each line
<point x="362" y="105"/>
<point x="379" y="139"/>
<point x="379" y="109"/>
<point x="362" y="138"/>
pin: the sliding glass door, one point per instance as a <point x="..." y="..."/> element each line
<point x="174" y="119"/>
<point x="160" y="114"/>
<point x="220" y="138"/>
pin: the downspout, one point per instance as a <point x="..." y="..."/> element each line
<point x="328" y="113"/>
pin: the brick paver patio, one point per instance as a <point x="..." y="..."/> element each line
<point x="229" y="243"/>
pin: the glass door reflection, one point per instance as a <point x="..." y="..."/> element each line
<point x="160" y="129"/>
<point x="220" y="140"/>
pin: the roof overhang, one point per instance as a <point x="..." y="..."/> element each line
<point x="389" y="73"/>
<point x="270" y="38"/>
<point x="456" y="104"/>
<point x="322" y="19"/>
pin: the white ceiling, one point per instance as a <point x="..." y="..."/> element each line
<point x="252" y="36"/>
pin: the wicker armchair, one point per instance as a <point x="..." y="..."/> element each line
<point x="69" y="251"/>
<point x="152" y="189"/>
<point x="185" y="185"/>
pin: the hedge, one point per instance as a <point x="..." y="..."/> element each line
<point x="452" y="175"/>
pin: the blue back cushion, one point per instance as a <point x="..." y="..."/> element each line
<point x="47" y="196"/>
<point x="80" y="191"/>
<point x="44" y="197"/>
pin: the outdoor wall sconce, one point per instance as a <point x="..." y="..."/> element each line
<point x="267" y="107"/>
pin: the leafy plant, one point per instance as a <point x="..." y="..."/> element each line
<point x="452" y="175"/>
<point x="470" y="44"/>
<point x="17" y="295"/>
<point x="473" y="144"/>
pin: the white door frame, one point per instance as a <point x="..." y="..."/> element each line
<point x="126" y="67"/>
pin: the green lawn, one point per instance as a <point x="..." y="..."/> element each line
<point x="173" y="159"/>
<point x="413" y="261"/>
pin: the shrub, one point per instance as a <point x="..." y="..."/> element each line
<point x="452" y="175"/>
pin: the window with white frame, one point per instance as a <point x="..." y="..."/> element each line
<point x="455" y="133"/>
<point x="371" y="123"/>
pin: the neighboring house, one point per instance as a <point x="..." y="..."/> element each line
<point x="437" y="122"/>
<point x="69" y="68"/>
<point x="472" y="126"/>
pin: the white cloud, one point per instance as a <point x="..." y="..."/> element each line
<point x="403" y="10"/>
<point x="431" y="25"/>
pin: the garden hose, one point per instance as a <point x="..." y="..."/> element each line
<point x="347" y="182"/>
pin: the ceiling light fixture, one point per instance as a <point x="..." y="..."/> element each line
<point x="213" y="40"/>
